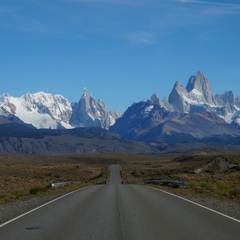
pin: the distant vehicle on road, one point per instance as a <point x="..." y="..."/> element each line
<point x="170" y="183"/>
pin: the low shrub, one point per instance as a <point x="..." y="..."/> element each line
<point x="222" y="188"/>
<point x="19" y="194"/>
<point x="37" y="189"/>
<point x="3" y="195"/>
<point x="191" y="185"/>
<point x="207" y="186"/>
<point x="234" y="192"/>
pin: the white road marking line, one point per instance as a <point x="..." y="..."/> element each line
<point x="45" y="204"/>
<point x="222" y="214"/>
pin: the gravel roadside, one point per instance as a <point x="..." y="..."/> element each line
<point x="11" y="210"/>
<point x="229" y="208"/>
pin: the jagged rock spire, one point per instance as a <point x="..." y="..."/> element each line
<point x="88" y="113"/>
<point x="200" y="83"/>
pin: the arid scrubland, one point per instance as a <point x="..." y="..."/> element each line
<point x="214" y="175"/>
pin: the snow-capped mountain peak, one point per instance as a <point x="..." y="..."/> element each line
<point x="198" y="84"/>
<point x="155" y="99"/>
<point x="44" y="110"/>
<point x="198" y="97"/>
<point x="89" y="112"/>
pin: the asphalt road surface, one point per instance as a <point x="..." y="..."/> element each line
<point x="120" y="211"/>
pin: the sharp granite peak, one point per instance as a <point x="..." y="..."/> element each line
<point x="44" y="110"/>
<point x="196" y="93"/>
<point x="198" y="97"/>
<point x="89" y="112"/>
<point x="188" y="115"/>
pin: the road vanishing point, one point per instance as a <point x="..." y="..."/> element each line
<point x="117" y="211"/>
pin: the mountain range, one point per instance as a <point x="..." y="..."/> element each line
<point x="23" y="138"/>
<point x="189" y="114"/>
<point x="44" y="110"/>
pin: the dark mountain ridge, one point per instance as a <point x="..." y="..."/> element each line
<point x="22" y="138"/>
<point x="191" y="115"/>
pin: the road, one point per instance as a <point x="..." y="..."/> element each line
<point x="118" y="211"/>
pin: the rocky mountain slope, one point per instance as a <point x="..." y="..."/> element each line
<point x="89" y="112"/>
<point x="44" y="110"/>
<point x="22" y="138"/>
<point x="198" y="97"/>
<point x="188" y="114"/>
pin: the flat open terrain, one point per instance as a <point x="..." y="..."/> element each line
<point x="208" y="175"/>
<point x="213" y="174"/>
<point x="120" y="211"/>
<point x="24" y="176"/>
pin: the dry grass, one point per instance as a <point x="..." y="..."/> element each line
<point x="221" y="185"/>
<point x="22" y="176"/>
<point x="20" y="179"/>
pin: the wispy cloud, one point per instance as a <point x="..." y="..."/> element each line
<point x="207" y="11"/>
<point x="118" y="2"/>
<point x="28" y="24"/>
<point x="157" y="2"/>
<point x="213" y="3"/>
<point x="27" y="17"/>
<point x="141" y="26"/>
<point x="7" y="10"/>
<point x="154" y="19"/>
<point x="38" y="27"/>
<point x="140" y="38"/>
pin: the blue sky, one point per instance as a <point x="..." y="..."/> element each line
<point x="122" y="51"/>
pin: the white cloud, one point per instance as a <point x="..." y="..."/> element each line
<point x="214" y="3"/>
<point x="150" y="19"/>
<point x="119" y="2"/>
<point x="157" y="2"/>
<point x="7" y="10"/>
<point x="140" y="37"/>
